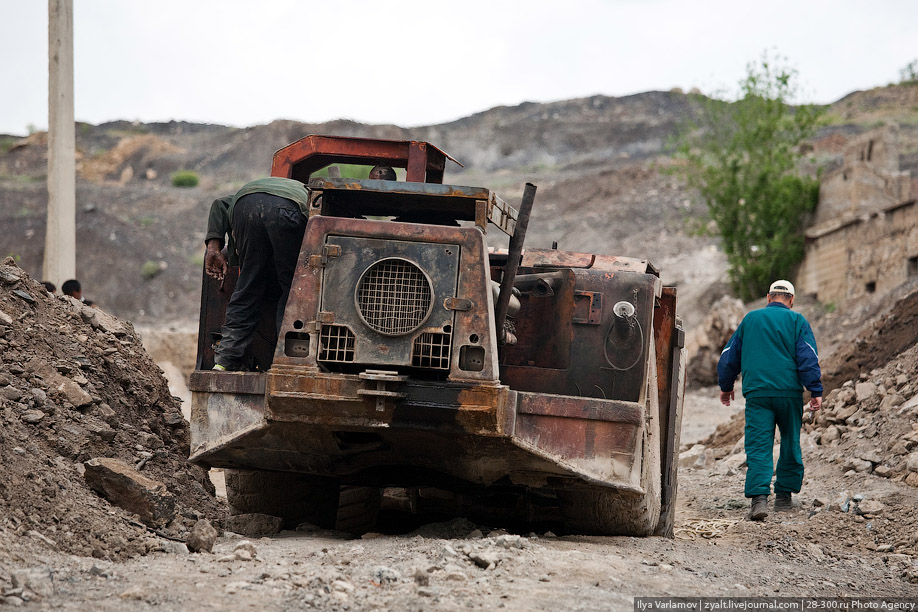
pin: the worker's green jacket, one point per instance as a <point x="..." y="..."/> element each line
<point x="775" y="351"/>
<point x="220" y="219"/>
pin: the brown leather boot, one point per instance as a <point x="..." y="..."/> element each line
<point x="759" y="509"/>
<point x="783" y="501"/>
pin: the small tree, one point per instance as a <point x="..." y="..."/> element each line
<point x="909" y="74"/>
<point x="743" y="157"/>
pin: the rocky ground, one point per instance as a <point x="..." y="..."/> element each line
<point x="849" y="536"/>
<point x="78" y="393"/>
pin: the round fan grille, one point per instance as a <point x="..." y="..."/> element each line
<point x="394" y="297"/>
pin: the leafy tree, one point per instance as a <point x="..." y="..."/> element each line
<point x="743" y="158"/>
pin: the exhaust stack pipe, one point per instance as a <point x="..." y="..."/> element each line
<point x="513" y="262"/>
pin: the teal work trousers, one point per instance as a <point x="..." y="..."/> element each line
<point x="762" y="415"/>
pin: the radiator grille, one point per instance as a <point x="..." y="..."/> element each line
<point x="394" y="297"/>
<point x="336" y="343"/>
<point x="431" y="350"/>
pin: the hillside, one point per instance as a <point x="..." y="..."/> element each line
<point x="88" y="419"/>
<point x="599" y="163"/>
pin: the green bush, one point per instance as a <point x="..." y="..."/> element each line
<point x="152" y="269"/>
<point x="185" y="178"/>
<point x="743" y="159"/>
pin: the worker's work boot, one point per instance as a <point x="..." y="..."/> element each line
<point x="783" y="501"/>
<point x="759" y="509"/>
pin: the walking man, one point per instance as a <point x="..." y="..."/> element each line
<point x="775" y="351"/>
<point x="265" y="221"/>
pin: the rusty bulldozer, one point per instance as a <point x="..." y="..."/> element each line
<point x="530" y="384"/>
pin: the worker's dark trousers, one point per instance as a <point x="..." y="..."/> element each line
<point x="762" y="414"/>
<point x="268" y="230"/>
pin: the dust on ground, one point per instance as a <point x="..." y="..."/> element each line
<point x="63" y="546"/>
<point x="814" y="550"/>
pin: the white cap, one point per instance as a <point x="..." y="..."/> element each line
<point x="781" y="286"/>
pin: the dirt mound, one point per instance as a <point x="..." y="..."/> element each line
<point x="726" y="435"/>
<point x="76" y="384"/>
<point x="130" y="155"/>
<point x="886" y="337"/>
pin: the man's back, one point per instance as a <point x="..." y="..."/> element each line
<point x="772" y="344"/>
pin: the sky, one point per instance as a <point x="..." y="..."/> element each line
<point x="423" y="62"/>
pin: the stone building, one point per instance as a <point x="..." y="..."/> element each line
<point x="864" y="238"/>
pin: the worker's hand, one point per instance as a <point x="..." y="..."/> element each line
<point x="815" y="403"/>
<point x="726" y="397"/>
<point x="215" y="264"/>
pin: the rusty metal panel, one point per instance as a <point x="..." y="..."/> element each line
<point x="212" y="381"/>
<point x="417" y="162"/>
<point x="544" y="330"/>
<point x="402" y="285"/>
<point x="334" y="400"/>
<point x="600" y="439"/>
<point x="670" y="342"/>
<point x="552" y="258"/>
<point x="432" y="192"/>
<point x="413" y="202"/>
<point x="613" y="411"/>
<point x="219" y="419"/>
<point x="319" y="424"/>
<point x="597" y="362"/>
<point x="300" y="159"/>
<point x="473" y="284"/>
<point x="587" y="307"/>
<point x="214" y="298"/>
<point x="665" y="334"/>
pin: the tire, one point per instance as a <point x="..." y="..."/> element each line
<point x="301" y="498"/>
<point x="607" y="511"/>
<point x="358" y="509"/>
<point x="295" y="498"/>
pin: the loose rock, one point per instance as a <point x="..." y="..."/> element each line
<point x="125" y="487"/>
<point x="202" y="537"/>
<point x="244" y="551"/>
<point x="254" y="525"/>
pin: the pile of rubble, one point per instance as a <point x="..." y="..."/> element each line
<point x="892" y="328"/>
<point x="94" y="446"/>
<point x="871" y="423"/>
<point x="705" y="342"/>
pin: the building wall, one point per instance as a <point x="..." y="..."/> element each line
<point x="875" y="253"/>
<point x="869" y="179"/>
<point x="864" y="238"/>
<point x="824" y="267"/>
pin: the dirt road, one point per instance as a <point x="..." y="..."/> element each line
<point x="811" y="551"/>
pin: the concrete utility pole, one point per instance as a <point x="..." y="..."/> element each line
<point x="60" y="236"/>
